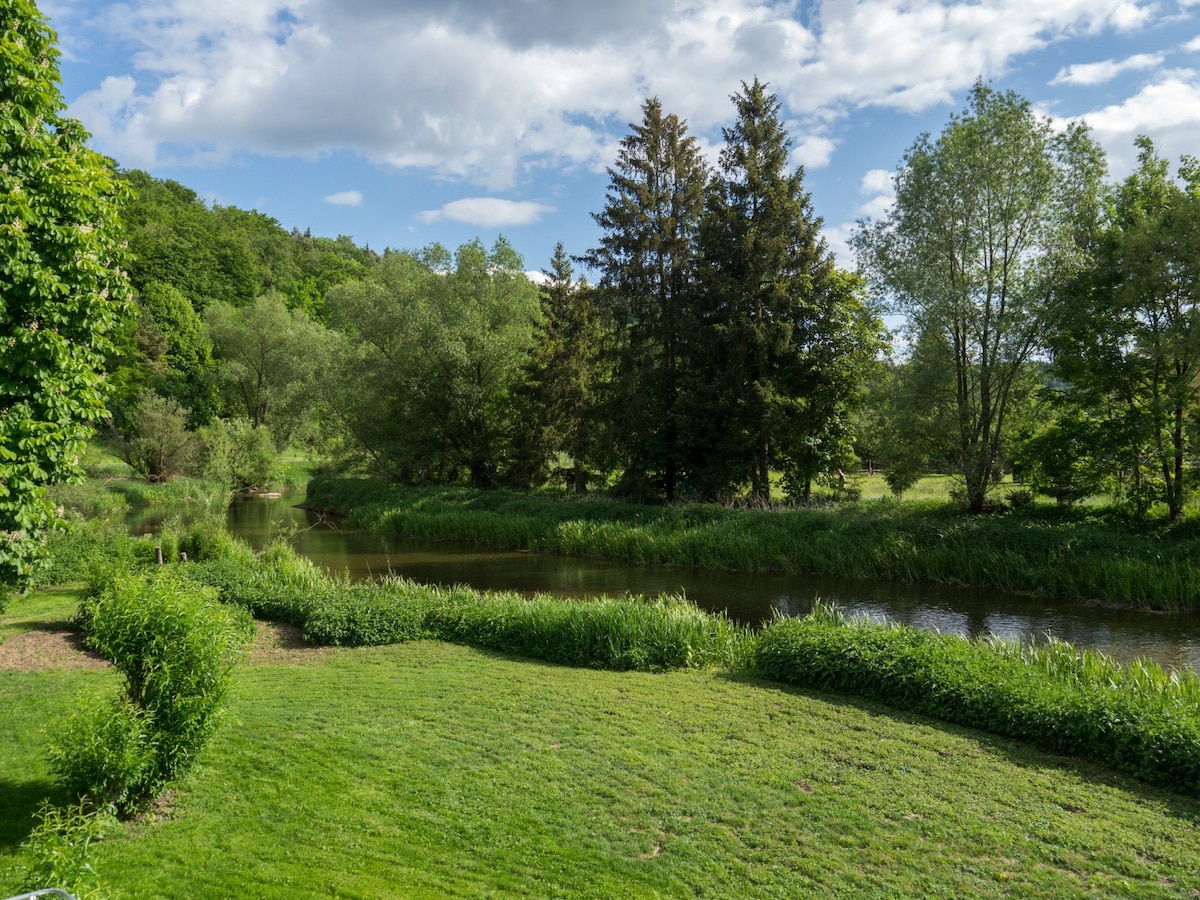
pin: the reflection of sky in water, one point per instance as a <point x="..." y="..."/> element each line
<point x="753" y="597"/>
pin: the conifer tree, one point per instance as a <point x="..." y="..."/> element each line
<point x="785" y="337"/>
<point x="646" y="261"/>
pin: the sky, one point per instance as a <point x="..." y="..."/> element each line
<point x="407" y="122"/>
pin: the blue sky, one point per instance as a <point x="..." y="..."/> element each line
<point x="404" y="122"/>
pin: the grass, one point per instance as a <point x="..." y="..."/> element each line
<point x="1078" y="554"/>
<point x="429" y="770"/>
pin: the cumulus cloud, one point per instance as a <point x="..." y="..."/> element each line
<point x="345" y="198"/>
<point x="489" y="90"/>
<point x="487" y="212"/>
<point x="1100" y="72"/>
<point x="1168" y="110"/>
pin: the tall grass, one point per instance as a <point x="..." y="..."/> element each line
<point x="1070" y="554"/>
<point x="1138" y="719"/>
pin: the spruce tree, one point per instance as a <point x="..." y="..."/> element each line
<point x="782" y="330"/>
<point x="646" y="263"/>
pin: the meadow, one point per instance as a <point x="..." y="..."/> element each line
<point x="429" y="769"/>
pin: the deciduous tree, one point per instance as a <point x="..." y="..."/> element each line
<point x="980" y="240"/>
<point x="63" y="290"/>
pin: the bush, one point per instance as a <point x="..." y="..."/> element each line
<point x="59" y="850"/>
<point x="176" y="647"/>
<point x="105" y="752"/>
<point x="1137" y="719"/>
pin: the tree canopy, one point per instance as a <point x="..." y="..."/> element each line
<point x="63" y="288"/>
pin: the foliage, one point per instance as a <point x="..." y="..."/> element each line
<point x="1129" y="342"/>
<point x="64" y="291"/>
<point x="236" y="454"/>
<point x="104" y="751"/>
<point x="267" y="354"/>
<point x="1138" y="719"/>
<point x="60" y="852"/>
<point x="566" y="377"/>
<point x="433" y="353"/>
<point x="975" y="256"/>
<point x="176" y="649"/>
<point x="785" y="340"/>
<point x="157" y="443"/>
<point x="647" y="262"/>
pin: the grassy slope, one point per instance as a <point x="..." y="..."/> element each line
<point x="435" y="770"/>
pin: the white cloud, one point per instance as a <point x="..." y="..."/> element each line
<point x="879" y="187"/>
<point x="1167" y="110"/>
<point x="814" y="152"/>
<point x="487" y="212"/>
<point x="345" y="198"/>
<point x="488" y="90"/>
<point x="1100" y="72"/>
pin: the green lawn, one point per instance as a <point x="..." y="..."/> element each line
<point x="435" y="770"/>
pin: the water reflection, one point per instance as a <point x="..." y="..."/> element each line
<point x="1172" y="639"/>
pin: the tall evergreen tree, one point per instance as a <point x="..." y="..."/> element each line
<point x="566" y="371"/>
<point x="786" y="335"/>
<point x="646" y="261"/>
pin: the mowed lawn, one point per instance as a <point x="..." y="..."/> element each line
<point x="432" y="770"/>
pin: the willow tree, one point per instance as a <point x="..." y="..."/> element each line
<point x="980" y="239"/>
<point x="62" y="288"/>
<point x="646" y="261"/>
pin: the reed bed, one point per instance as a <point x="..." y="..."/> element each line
<point x="1080" y="555"/>
<point x="1138" y="718"/>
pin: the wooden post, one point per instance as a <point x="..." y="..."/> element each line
<point x="158" y="555"/>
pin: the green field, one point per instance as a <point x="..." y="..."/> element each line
<point x="429" y="769"/>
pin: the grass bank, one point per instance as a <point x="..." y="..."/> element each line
<point x="428" y="770"/>
<point x="1077" y="554"/>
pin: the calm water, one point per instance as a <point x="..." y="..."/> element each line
<point x="1172" y="639"/>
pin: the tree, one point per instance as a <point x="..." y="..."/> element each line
<point x="646" y="260"/>
<point x="983" y="235"/>
<point x="1129" y="344"/>
<point x="63" y="291"/>
<point x="435" y="346"/>
<point x="266" y="352"/>
<point x="566" y="374"/>
<point x="157" y="443"/>
<point x="786" y="340"/>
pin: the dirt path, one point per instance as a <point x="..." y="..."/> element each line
<point x="51" y="647"/>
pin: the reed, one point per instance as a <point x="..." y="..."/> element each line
<point x="1081" y="554"/>
<point x="1138" y="719"/>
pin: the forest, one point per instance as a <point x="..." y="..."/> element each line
<point x="721" y="352"/>
<point x="709" y="348"/>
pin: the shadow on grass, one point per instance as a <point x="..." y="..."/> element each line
<point x="19" y="803"/>
<point x="1018" y="752"/>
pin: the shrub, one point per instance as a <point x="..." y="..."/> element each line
<point x="176" y="647"/>
<point x="59" y="850"/>
<point x="1138" y="719"/>
<point x="105" y="752"/>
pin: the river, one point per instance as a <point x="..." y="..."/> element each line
<point x="1171" y="639"/>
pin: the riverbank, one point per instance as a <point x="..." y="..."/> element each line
<point x="1081" y="554"/>
<point x="556" y="781"/>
